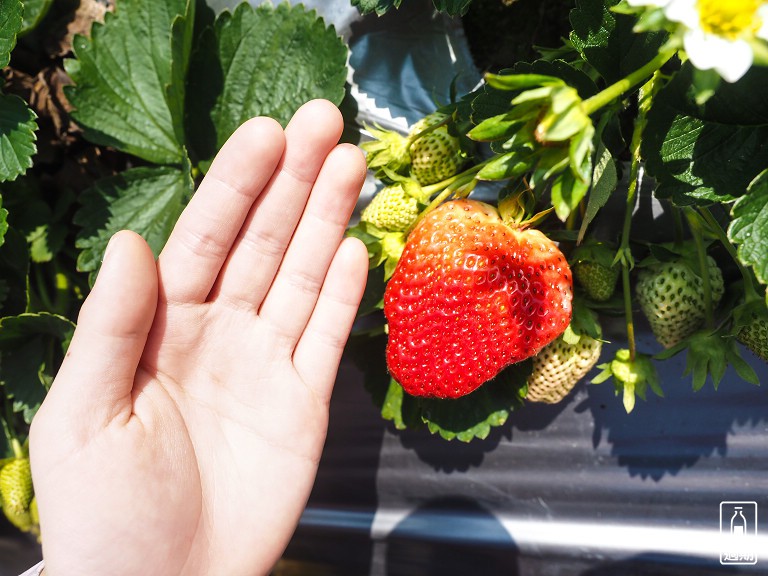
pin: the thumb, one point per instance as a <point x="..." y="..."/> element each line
<point x="97" y="375"/>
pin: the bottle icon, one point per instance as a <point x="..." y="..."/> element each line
<point x="738" y="522"/>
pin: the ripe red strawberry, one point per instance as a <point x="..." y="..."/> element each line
<point x="470" y="296"/>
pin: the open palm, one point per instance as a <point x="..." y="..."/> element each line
<point x="183" y="431"/>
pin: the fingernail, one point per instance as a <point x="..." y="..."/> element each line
<point x="110" y="248"/>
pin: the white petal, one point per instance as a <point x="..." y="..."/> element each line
<point x="683" y="11"/>
<point x="762" y="13"/>
<point x="731" y="59"/>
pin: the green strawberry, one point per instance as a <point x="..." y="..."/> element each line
<point x="598" y="281"/>
<point x="755" y="336"/>
<point x="435" y="153"/>
<point x="671" y="295"/>
<point x="559" y="367"/>
<point x="392" y="209"/>
<point x="594" y="269"/>
<point x="17" y="493"/>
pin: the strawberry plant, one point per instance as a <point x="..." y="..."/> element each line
<point x="110" y="112"/>
<point x="570" y="143"/>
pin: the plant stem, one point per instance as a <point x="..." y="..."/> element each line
<point x="717" y="230"/>
<point x="701" y="252"/>
<point x="7" y="418"/>
<point x="614" y="91"/>
<point x="635" y="174"/>
<point x="471" y="171"/>
<point x="678" y="223"/>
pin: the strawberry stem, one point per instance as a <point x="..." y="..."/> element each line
<point x="614" y="91"/>
<point x="6" y="420"/>
<point x="713" y="226"/>
<point x="624" y="255"/>
<point x="694" y="223"/>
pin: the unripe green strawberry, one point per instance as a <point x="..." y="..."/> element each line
<point x="559" y="367"/>
<point x="671" y="295"/>
<point x="594" y="270"/>
<point x="16" y="490"/>
<point x="598" y="281"/>
<point x="436" y="154"/>
<point x="755" y="337"/>
<point x="470" y="296"/>
<point x="392" y="209"/>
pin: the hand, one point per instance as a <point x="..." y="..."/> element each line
<point x="183" y="431"/>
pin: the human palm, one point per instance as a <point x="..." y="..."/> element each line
<point x="183" y="431"/>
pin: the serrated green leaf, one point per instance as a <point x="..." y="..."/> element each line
<point x="3" y="221"/>
<point x="749" y="227"/>
<point x="32" y="347"/>
<point x="709" y="153"/>
<point x="607" y="40"/>
<point x="122" y="76"/>
<point x="261" y="61"/>
<point x="34" y="12"/>
<point x="567" y="191"/>
<point x="510" y="165"/>
<point x="380" y="7"/>
<point x="14" y="268"/>
<point x="400" y="408"/>
<point x="11" y="18"/>
<point x="474" y="415"/>
<point x="604" y="182"/>
<point x="453" y="7"/>
<point x="145" y="200"/>
<point x="17" y="136"/>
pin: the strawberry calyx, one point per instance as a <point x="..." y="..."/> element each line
<point x="388" y="149"/>
<point x="631" y="377"/>
<point x="516" y="207"/>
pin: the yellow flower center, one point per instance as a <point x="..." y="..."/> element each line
<point x="729" y="18"/>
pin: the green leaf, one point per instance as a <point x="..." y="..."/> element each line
<point x="400" y="408"/>
<point x="474" y="415"/>
<point x="749" y="227"/>
<point x="17" y="136"/>
<point x="510" y="165"/>
<point x="34" y="12"/>
<point x="11" y="18"/>
<point x="380" y="7"/>
<point x="710" y="153"/>
<point x="567" y="191"/>
<point x="607" y="41"/>
<point x="604" y="181"/>
<point x="32" y="347"/>
<point x="127" y="91"/>
<point x="14" y="268"/>
<point x="3" y="221"/>
<point x="260" y="61"/>
<point x="453" y="7"/>
<point x="145" y="200"/>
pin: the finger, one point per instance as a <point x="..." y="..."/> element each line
<point x="259" y="249"/>
<point x="294" y="292"/>
<point x="97" y="375"/>
<point x="318" y="352"/>
<point x="203" y="236"/>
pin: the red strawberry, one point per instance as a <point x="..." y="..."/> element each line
<point x="470" y="296"/>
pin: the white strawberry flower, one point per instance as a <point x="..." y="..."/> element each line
<point x="717" y="34"/>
